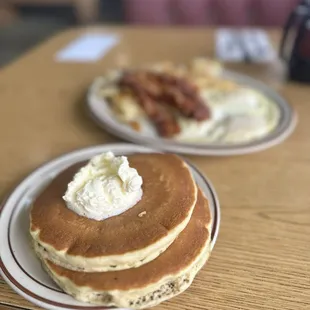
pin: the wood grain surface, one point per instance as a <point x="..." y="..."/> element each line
<point x="262" y="257"/>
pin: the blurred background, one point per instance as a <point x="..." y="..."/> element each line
<point x="24" y="23"/>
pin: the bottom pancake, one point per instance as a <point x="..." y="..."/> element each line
<point x="168" y="275"/>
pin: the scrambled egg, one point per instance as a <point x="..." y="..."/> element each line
<point x="237" y="116"/>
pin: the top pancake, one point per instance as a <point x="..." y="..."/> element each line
<point x="169" y="196"/>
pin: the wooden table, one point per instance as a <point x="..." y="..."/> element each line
<point x="262" y="257"/>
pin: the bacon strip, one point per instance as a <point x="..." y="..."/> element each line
<point x="179" y="93"/>
<point x="152" y="89"/>
<point x="165" y="122"/>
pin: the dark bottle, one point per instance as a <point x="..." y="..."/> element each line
<point x="295" y="44"/>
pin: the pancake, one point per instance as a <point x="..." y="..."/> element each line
<point x="128" y="240"/>
<point x="168" y="275"/>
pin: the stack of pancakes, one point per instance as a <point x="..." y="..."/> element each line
<point x="137" y="259"/>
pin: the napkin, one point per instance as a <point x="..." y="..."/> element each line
<point x="87" y="48"/>
<point x="250" y="45"/>
<point x="227" y="46"/>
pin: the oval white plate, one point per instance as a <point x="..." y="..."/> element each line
<point x="102" y="114"/>
<point x="18" y="264"/>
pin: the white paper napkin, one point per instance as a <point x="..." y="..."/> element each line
<point x="87" y="48"/>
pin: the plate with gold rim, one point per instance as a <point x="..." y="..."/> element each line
<point x="100" y="111"/>
<point x="19" y="266"/>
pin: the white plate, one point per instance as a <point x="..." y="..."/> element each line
<point x="19" y="265"/>
<point x="102" y="114"/>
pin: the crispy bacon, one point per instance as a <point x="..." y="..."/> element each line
<point x="184" y="96"/>
<point x="153" y="89"/>
<point x="165" y="122"/>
